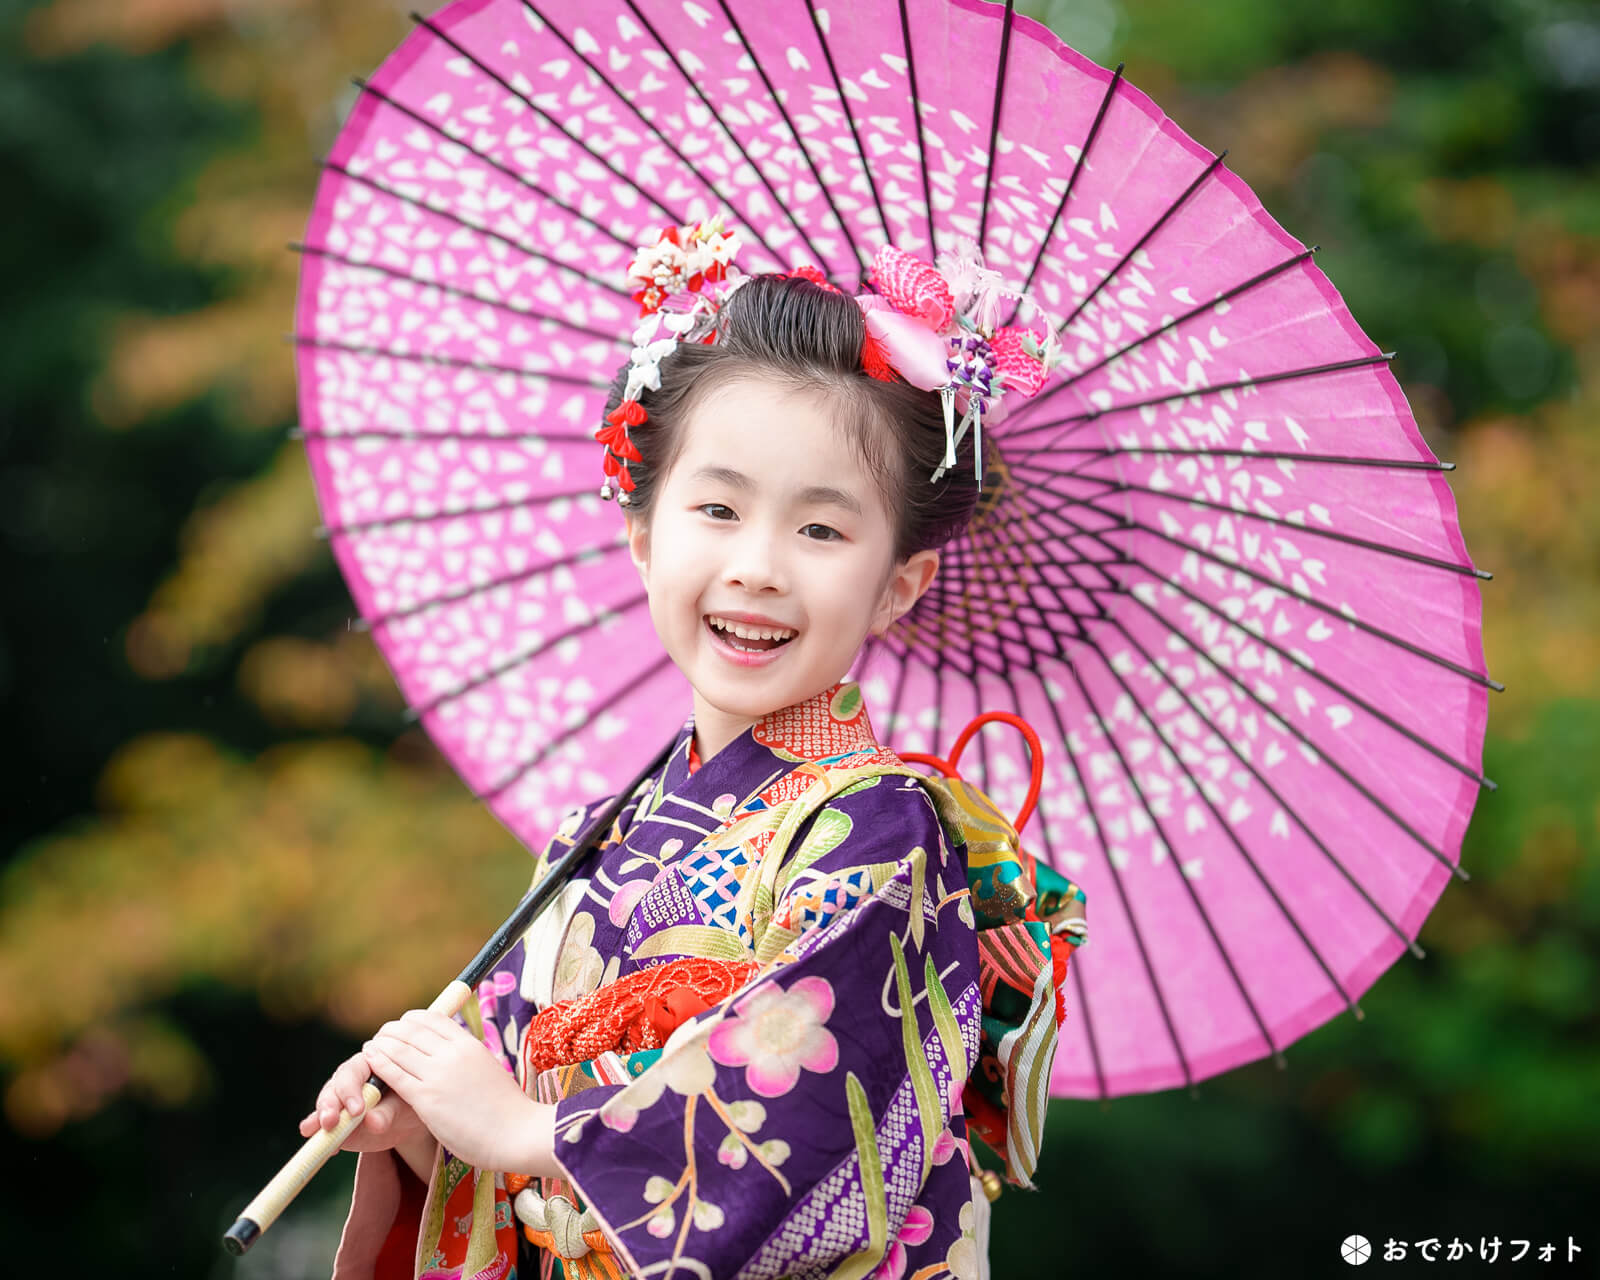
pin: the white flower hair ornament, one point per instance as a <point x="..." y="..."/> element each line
<point x="935" y="327"/>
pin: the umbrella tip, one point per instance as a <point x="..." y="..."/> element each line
<point x="297" y="433"/>
<point x="1447" y="466"/>
<point x="1489" y="784"/>
<point x="1358" y="1011"/>
<point x="323" y="532"/>
<point x="1484" y="574"/>
<point x="1120" y="65"/>
<point x="1462" y="874"/>
<point x="357" y="624"/>
<point x="1417" y="951"/>
<point x="1279" y="1061"/>
<point x="410" y="715"/>
<point x="1497" y="686"/>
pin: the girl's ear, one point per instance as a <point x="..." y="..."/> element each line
<point x="909" y="579"/>
<point x="638" y="545"/>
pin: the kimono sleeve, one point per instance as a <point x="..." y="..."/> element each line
<point x="812" y="1117"/>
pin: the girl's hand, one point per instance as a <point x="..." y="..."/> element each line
<point x="392" y="1123"/>
<point x="462" y="1095"/>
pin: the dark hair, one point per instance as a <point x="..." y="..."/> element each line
<point x="789" y="330"/>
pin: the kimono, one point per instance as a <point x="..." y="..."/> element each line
<point x="811" y="1123"/>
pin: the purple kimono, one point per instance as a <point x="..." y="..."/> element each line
<point x="809" y="1125"/>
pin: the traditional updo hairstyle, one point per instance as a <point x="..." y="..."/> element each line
<point x="805" y="338"/>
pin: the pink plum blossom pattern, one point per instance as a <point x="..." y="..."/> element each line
<point x="773" y="1033"/>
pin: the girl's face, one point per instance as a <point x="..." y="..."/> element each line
<point x="768" y="519"/>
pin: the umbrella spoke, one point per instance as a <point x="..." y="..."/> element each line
<point x="498" y="165"/>
<point x="1272" y="791"/>
<point x="1173" y="858"/>
<point x="488" y="233"/>
<point x="617" y="171"/>
<point x="1093" y="815"/>
<point x="1072" y="181"/>
<point x="594" y="713"/>
<point x="425" y="437"/>
<point x="1330" y="459"/>
<point x="1225" y="296"/>
<point x="1232" y="831"/>
<point x="428" y="517"/>
<point x="1326" y="680"/>
<point x="850" y="119"/>
<point x="994" y="117"/>
<point x="609" y="81"/>
<point x="1367" y="544"/>
<point x="1143" y="240"/>
<point x="916" y="116"/>
<point x="482" y="588"/>
<point x="1332" y="760"/>
<point x="498" y="304"/>
<point x="1089" y="415"/>
<point x="603" y="614"/>
<point x="453" y="362"/>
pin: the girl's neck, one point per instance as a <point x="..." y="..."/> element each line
<point x="714" y="729"/>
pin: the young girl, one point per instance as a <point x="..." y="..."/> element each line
<point x="737" y="1041"/>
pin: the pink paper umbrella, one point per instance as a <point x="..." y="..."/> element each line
<point x="1215" y="563"/>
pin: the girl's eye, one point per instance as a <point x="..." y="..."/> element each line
<point x="715" y="506"/>
<point x="829" y="535"/>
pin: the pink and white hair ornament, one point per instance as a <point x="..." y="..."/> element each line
<point x="933" y="326"/>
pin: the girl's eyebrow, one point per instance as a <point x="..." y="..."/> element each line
<point x="816" y="493"/>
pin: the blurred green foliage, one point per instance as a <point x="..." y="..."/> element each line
<point x="218" y="817"/>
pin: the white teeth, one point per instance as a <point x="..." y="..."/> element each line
<point x="749" y="633"/>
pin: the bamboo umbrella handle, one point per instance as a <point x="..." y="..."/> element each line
<point x="301" y="1167"/>
<point x="316" y="1151"/>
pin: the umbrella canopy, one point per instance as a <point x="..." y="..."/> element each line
<point x="1215" y="564"/>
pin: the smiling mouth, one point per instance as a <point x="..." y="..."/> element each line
<point x="745" y="644"/>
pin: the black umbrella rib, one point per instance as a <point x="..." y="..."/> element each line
<point x="1172" y="848"/>
<point x="498" y="304"/>
<point x="1477" y="677"/>
<point x="623" y="689"/>
<point x="602" y="614"/>
<point x="1142" y="241"/>
<point x="1377" y="713"/>
<point x="799" y="143"/>
<point x="699" y="93"/>
<point x="1116" y="879"/>
<point x="481" y="588"/>
<point x="1367" y="544"/>
<point x="498" y="165"/>
<point x="1089" y="415"/>
<point x="487" y="232"/>
<point x="1268" y="455"/>
<point x="850" y="119"/>
<point x="621" y="175"/>
<point x="1050" y="857"/>
<point x="427" y="437"/>
<point x="1267" y="786"/>
<point x="916" y="119"/>
<point x="493" y="508"/>
<point x="1072" y="181"/>
<point x="994" y="116"/>
<point x="1233" y="835"/>
<point x="1438" y="854"/>
<point x="1261" y="277"/>
<point x="453" y="362"/>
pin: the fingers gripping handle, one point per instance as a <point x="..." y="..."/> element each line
<point x="301" y="1167"/>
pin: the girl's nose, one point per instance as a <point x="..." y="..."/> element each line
<point x="753" y="564"/>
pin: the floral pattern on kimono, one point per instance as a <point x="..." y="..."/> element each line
<point x="811" y="1124"/>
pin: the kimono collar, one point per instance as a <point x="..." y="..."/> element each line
<point x="830" y="723"/>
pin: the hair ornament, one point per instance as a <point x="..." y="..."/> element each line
<point x="675" y="305"/>
<point x="933" y="325"/>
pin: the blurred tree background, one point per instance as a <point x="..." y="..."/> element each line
<point x="218" y="821"/>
